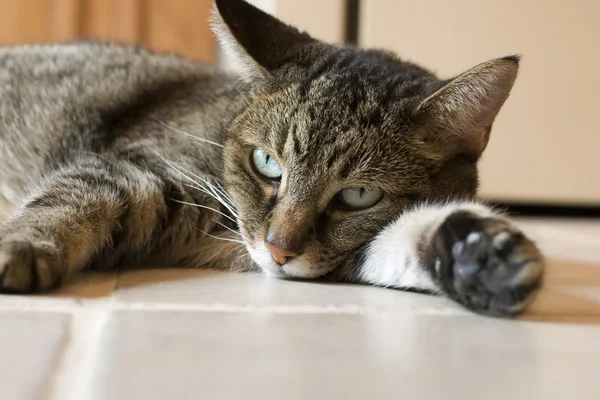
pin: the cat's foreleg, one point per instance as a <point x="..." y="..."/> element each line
<point x="87" y="211"/>
<point x="463" y="250"/>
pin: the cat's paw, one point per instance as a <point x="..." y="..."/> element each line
<point x="486" y="264"/>
<point x="28" y="265"/>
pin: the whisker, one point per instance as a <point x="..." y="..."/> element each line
<point x="211" y="187"/>
<point x="177" y="169"/>
<point x="188" y="134"/>
<point x="183" y="172"/>
<point x="215" y="192"/>
<point x="238" y="219"/>
<point x="206" y="207"/>
<point x="205" y="190"/>
<point x="224" y="192"/>
<point x="240" y="257"/>
<point x="221" y="201"/>
<point x="228" y="228"/>
<point x="224" y="239"/>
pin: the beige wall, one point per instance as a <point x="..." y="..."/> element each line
<point x="323" y="19"/>
<point x="546" y="143"/>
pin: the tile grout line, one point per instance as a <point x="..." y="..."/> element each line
<point x="111" y="304"/>
<point x="74" y="374"/>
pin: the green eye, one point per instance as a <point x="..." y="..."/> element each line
<point x="360" y="198"/>
<point x="266" y="165"/>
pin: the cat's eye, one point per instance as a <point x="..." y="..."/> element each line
<point x="357" y="198"/>
<point x="266" y="165"/>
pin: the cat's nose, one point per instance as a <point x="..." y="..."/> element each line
<point x="281" y="256"/>
<point x="283" y="247"/>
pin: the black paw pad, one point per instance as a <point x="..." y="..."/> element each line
<point x="486" y="264"/>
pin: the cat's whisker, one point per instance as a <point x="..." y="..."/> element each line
<point x="183" y="172"/>
<point x="217" y="193"/>
<point x="222" y="190"/>
<point x="220" y="238"/>
<point x="206" y="207"/>
<point x="240" y="257"/>
<point x="202" y="140"/>
<point x="219" y="199"/>
<point x="177" y="169"/>
<point x="244" y="252"/>
<point x="242" y="263"/>
<point x="226" y="227"/>
<point x="205" y="190"/>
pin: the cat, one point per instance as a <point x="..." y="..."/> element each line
<point x="314" y="161"/>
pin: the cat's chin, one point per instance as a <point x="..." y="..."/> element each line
<point x="293" y="269"/>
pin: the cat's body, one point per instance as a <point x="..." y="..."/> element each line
<point x="63" y="114"/>
<point x="105" y="149"/>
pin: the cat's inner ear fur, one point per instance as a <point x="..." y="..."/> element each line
<point x="457" y="119"/>
<point x="258" y="42"/>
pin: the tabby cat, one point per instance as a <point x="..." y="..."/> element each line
<point x="315" y="161"/>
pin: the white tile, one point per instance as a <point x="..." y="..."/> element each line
<point x="190" y="288"/>
<point x="30" y="347"/>
<point x="191" y="355"/>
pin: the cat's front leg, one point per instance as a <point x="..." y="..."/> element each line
<point x="91" y="212"/>
<point x="462" y="250"/>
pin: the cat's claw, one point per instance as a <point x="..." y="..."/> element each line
<point x="486" y="264"/>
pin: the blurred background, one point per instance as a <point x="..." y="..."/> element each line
<point x="544" y="153"/>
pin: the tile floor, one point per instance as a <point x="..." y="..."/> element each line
<point x="192" y="334"/>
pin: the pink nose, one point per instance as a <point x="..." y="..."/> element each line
<point x="281" y="256"/>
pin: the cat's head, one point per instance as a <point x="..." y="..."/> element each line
<point x="334" y="142"/>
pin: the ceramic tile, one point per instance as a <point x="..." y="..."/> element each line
<point x="263" y="355"/>
<point x="30" y="349"/>
<point x="189" y="288"/>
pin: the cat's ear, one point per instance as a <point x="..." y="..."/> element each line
<point x="457" y="118"/>
<point x="258" y="42"/>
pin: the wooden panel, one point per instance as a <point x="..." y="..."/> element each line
<point x="25" y="21"/>
<point x="180" y="26"/>
<point x="546" y="142"/>
<point x="118" y="20"/>
<point x="64" y="19"/>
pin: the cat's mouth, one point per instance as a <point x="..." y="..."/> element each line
<point x="295" y="268"/>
